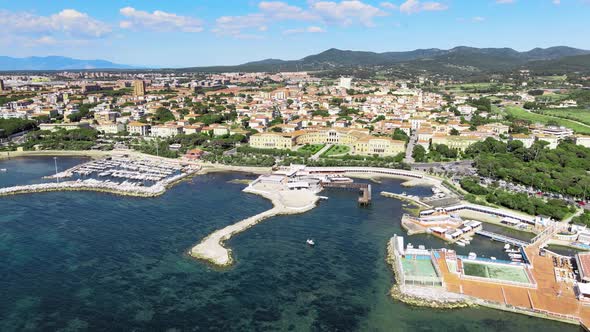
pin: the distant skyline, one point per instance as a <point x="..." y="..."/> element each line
<point x="183" y="33"/>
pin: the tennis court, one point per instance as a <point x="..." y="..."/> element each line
<point x="418" y="266"/>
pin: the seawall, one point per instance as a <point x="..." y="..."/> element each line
<point x="211" y="248"/>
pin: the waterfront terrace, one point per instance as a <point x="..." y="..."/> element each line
<point x="483" y="209"/>
<point x="365" y="170"/>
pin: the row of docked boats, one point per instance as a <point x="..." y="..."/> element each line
<point x="514" y="253"/>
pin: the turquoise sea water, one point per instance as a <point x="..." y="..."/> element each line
<point x="92" y="261"/>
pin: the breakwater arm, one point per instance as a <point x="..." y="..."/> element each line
<point x="212" y="249"/>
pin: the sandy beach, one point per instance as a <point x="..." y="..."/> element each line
<point x="285" y="201"/>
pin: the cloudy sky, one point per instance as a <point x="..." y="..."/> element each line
<point x="179" y="33"/>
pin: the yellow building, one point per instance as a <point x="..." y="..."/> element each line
<point x="456" y="142"/>
<point x="382" y="146"/>
<point x="138" y="88"/>
<point x="272" y="140"/>
<point x="344" y="136"/>
<point x="359" y="140"/>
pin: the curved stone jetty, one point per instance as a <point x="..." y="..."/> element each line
<point x="211" y="248"/>
<point x="86" y="185"/>
<point x="125" y="189"/>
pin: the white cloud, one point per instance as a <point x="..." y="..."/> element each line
<point x="556" y="2"/>
<point x="233" y="25"/>
<point x="45" y="40"/>
<point x="311" y="29"/>
<point x="505" y="1"/>
<point x="478" y="19"/>
<point x="388" y="5"/>
<point x="282" y="11"/>
<point x="416" y="6"/>
<point x="158" y="21"/>
<point x="327" y="12"/>
<point x="347" y="12"/>
<point x="69" y="22"/>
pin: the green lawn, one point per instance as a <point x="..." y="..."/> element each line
<point x="554" y="78"/>
<point x="476" y="86"/>
<point x="581" y="115"/>
<point x="520" y="113"/>
<point x="336" y="150"/>
<point x="312" y="148"/>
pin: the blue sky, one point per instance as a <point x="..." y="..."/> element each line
<point x="177" y="33"/>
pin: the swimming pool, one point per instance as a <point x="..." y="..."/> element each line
<point x="503" y="272"/>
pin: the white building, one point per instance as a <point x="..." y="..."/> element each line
<point x="110" y="128"/>
<point x="345" y="82"/>
<point x="141" y="129"/>
<point x="165" y="130"/>
<point x="66" y="126"/>
<point x="583" y="141"/>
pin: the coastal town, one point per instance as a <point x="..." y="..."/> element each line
<point x="295" y="165"/>
<point x="479" y="147"/>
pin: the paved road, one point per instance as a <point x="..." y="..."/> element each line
<point x="317" y="155"/>
<point x="578" y="212"/>
<point x="410" y="148"/>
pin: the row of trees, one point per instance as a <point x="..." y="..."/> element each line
<point x="562" y="170"/>
<point x="437" y="152"/>
<point x="13" y="126"/>
<point x="78" y="139"/>
<point x="555" y="208"/>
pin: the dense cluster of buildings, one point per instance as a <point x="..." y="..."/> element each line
<point x="299" y="109"/>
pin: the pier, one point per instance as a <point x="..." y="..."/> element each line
<point x="212" y="248"/>
<point x="502" y="238"/>
<point x="364" y="188"/>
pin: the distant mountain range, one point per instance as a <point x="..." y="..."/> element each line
<point x="55" y="63"/>
<point x="459" y="60"/>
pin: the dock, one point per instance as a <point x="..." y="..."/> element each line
<point x="364" y="188"/>
<point x="502" y="238"/>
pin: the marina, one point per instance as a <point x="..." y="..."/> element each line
<point x="134" y="176"/>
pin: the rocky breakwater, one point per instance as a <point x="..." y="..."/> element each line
<point x="87" y="185"/>
<point x="211" y="248"/>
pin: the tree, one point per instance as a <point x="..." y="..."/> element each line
<point x="535" y="92"/>
<point x="419" y="153"/>
<point x="163" y="115"/>
<point x="400" y="135"/>
<point x="454" y="132"/>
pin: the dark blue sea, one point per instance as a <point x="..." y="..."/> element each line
<point x="83" y="261"/>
